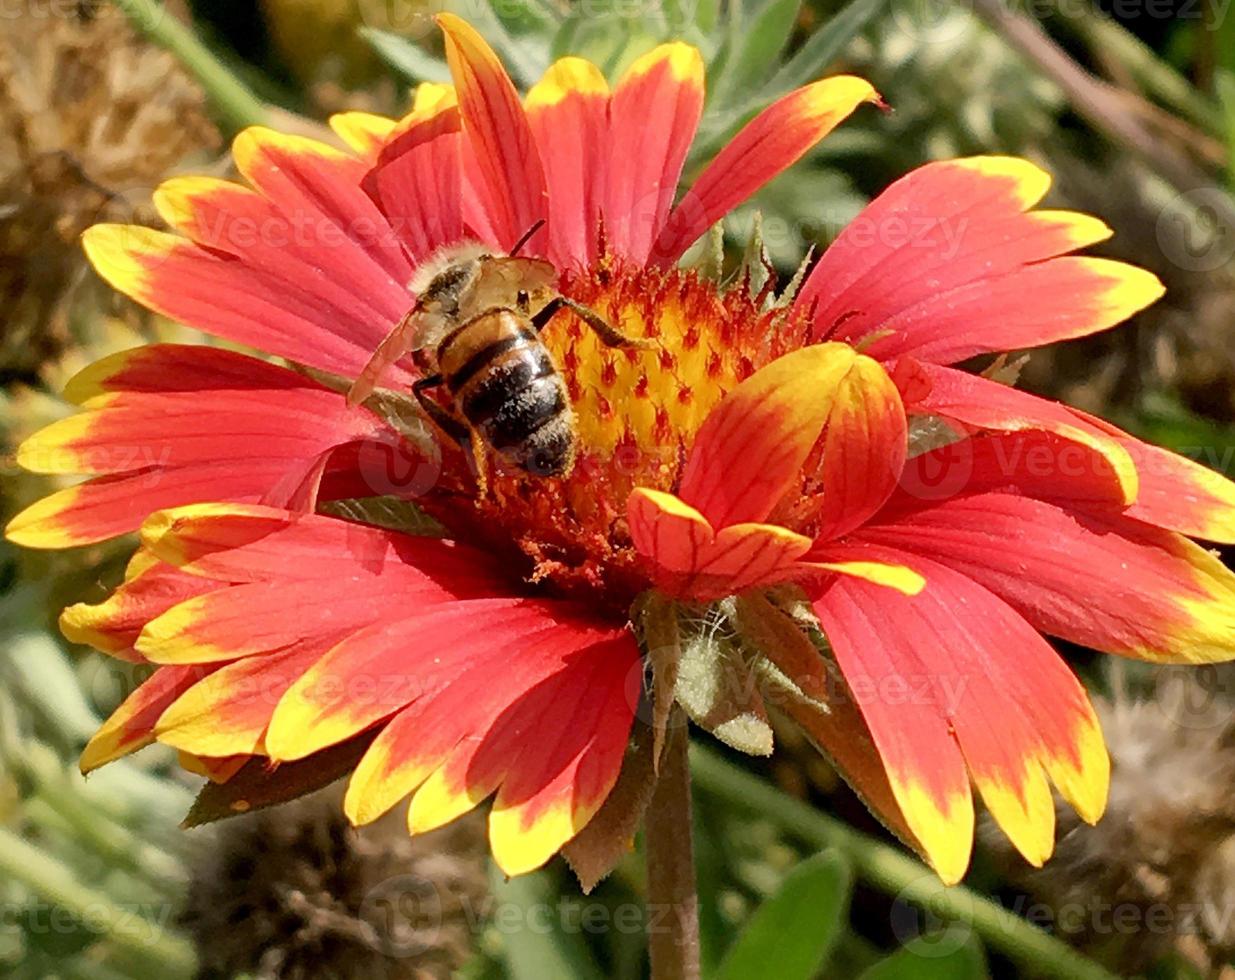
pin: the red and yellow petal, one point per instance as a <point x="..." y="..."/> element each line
<point x="985" y="404"/>
<point x="568" y="111"/>
<point x="378" y="671"/>
<point x="363" y="132"/>
<point x="770" y="143"/>
<point x="1102" y="581"/>
<point x="320" y="188"/>
<point x="925" y="769"/>
<point x="694" y="561"/>
<point x="186" y="368"/>
<point x="109" y="506"/>
<point x="512" y="180"/>
<point x="216" y="769"/>
<point x="949" y="647"/>
<point x="222" y="295"/>
<point x="946" y="264"/>
<point x="256" y="543"/>
<point x="653" y="117"/>
<point x="149" y="590"/>
<point x="263" y="617"/>
<point x="864" y="447"/>
<point x="546" y="729"/>
<point x="752" y="447"/>
<point x="1030" y="463"/>
<point x="289" y="250"/>
<point x="221" y="426"/>
<point x="131" y="726"/>
<point x="417" y="180"/>
<point x="227" y="712"/>
<point x="1176" y="493"/>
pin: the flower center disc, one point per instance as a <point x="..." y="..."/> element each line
<point x="636" y="412"/>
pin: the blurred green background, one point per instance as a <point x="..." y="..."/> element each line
<point x="1130" y="104"/>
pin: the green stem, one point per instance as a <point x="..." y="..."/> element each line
<point x="895" y="872"/>
<point x="147" y="941"/>
<point x="235" y="104"/>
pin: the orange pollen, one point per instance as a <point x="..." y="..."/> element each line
<point x="636" y="412"/>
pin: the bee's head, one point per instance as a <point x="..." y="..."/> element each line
<point x="443" y="281"/>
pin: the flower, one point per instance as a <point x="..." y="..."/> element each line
<point x="1031" y="518"/>
<point x="748" y="453"/>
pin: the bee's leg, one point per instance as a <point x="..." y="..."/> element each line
<point x="609" y="335"/>
<point x="450" y="425"/>
<point x="461" y="433"/>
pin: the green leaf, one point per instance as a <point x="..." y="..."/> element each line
<point x="707" y="14"/>
<point x="536" y="942"/>
<point x="1225" y="87"/>
<point x="822" y="48"/>
<point x="952" y="954"/>
<point x="42" y="671"/>
<point x="791" y="935"/>
<point x="760" y="43"/>
<point x="408" y="59"/>
<point x="527" y="16"/>
<point x="808" y="64"/>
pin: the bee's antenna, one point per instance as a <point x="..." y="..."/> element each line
<point x="526" y="236"/>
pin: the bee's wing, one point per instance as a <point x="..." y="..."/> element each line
<point x="503" y="277"/>
<point x="411" y="333"/>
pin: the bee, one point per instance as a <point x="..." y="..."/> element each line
<point x="475" y="331"/>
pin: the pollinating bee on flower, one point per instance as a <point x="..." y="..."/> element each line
<point x="633" y="497"/>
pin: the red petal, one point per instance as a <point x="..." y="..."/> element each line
<point x="568" y="111"/>
<point x="253" y="543"/>
<point x="164" y="368"/>
<point x="263" y="617"/>
<point x="319" y="187"/>
<point x="229" y="219"/>
<point x="1030" y="463"/>
<point x="512" y="180"/>
<point x="114" y="624"/>
<point x="408" y="654"/>
<point x="1108" y="583"/>
<point x="924" y="765"/>
<point x="225" y="427"/>
<point x="131" y="726"/>
<point x="770" y="143"/>
<point x="418" y="182"/>
<point x="864" y="447"/>
<point x="1175" y="492"/>
<point x="979" y="402"/>
<point x="962" y="649"/>
<point x="948" y="264"/>
<point x="113" y="505"/>
<point x="227" y="712"/>
<point x="695" y="562"/>
<point x="550" y="736"/>
<point x="653" y="117"/>
<point x="223" y="295"/>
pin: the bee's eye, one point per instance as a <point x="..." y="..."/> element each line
<point x="523" y="298"/>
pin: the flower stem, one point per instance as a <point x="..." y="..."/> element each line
<point x="673" y="905"/>
<point x="235" y="104"/>
<point x="895" y="872"/>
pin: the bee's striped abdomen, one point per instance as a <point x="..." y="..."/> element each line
<point x="508" y="389"/>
